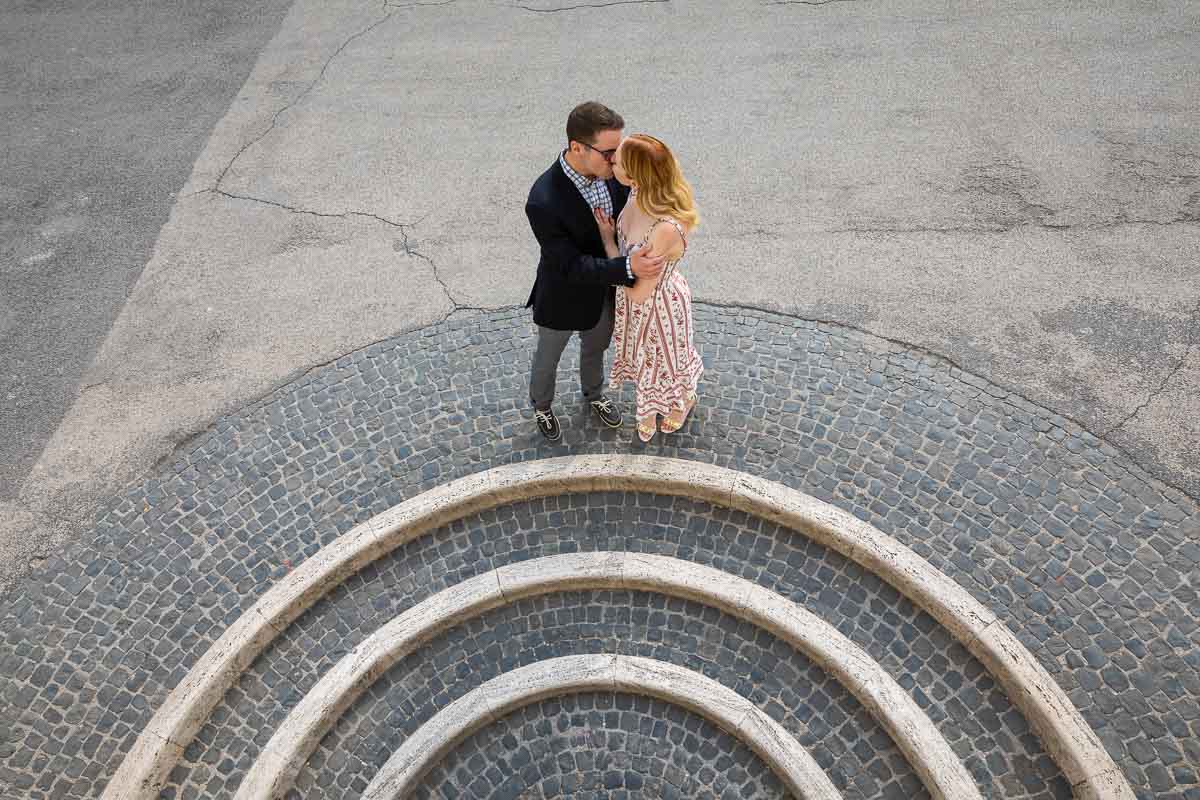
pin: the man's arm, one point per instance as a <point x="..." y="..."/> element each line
<point x="564" y="257"/>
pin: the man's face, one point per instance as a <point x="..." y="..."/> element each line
<point x="597" y="158"/>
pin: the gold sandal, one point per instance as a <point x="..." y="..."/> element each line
<point x="647" y="428"/>
<point x="670" y="424"/>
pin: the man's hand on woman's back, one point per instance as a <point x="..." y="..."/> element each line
<point x="645" y="264"/>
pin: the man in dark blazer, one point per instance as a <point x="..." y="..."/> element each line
<point x="576" y="281"/>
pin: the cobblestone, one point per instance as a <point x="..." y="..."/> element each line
<point x="807" y="702"/>
<point x="601" y="746"/>
<point x="1092" y="562"/>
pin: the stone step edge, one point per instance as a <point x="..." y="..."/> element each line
<point x="275" y="769"/>
<point x="553" y="677"/>
<point x="1067" y="737"/>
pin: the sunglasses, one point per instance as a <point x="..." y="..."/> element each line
<point x="607" y="155"/>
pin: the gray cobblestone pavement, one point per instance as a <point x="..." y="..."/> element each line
<point x="602" y="746"/>
<point x="973" y="715"/>
<point x="813" y="708"/>
<point x="1090" y="561"/>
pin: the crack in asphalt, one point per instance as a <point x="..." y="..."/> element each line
<point x="87" y="387"/>
<point x="402" y="227"/>
<point x="591" y="5"/>
<point x="1194" y="318"/>
<point x="326" y="214"/>
<point x="455" y="306"/>
<point x="298" y="98"/>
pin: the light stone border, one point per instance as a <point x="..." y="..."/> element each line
<point x="931" y="756"/>
<point x="1071" y="743"/>
<point x="573" y="674"/>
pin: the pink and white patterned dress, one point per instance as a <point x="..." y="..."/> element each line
<point x="654" y="342"/>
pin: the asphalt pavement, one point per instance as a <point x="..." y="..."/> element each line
<point x="104" y="107"/>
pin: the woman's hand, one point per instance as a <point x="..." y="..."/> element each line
<point x="607" y="226"/>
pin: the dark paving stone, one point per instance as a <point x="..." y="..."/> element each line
<point x="811" y="707"/>
<point x="601" y="746"/>
<point x="814" y="708"/>
<point x="971" y="712"/>
<point x="1072" y="544"/>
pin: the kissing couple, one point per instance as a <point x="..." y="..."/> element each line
<point x="612" y="216"/>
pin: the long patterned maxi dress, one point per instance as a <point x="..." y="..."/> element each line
<point x="653" y="341"/>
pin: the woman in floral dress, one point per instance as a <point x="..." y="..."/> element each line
<point x="653" y="337"/>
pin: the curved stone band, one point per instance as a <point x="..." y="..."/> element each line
<point x="572" y="674"/>
<point x="931" y="756"/>
<point x="1071" y="743"/>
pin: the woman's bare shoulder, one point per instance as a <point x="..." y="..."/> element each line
<point x="667" y="237"/>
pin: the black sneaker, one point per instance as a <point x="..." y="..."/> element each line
<point x="607" y="411"/>
<point x="548" y="424"/>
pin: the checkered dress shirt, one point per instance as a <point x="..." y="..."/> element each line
<point x="595" y="194"/>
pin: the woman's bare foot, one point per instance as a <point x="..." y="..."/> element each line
<point x="674" y="421"/>
<point x="647" y="427"/>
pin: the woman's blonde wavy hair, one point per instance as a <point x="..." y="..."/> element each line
<point x="662" y="190"/>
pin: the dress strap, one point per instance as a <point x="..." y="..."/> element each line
<point x="678" y="229"/>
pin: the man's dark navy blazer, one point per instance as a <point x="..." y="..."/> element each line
<point x="574" y="277"/>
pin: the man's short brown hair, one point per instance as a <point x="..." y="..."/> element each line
<point x="588" y="119"/>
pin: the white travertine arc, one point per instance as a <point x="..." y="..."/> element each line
<point x="932" y="757"/>
<point x="571" y="674"/>
<point x="1069" y="740"/>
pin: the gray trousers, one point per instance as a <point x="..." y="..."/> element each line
<point x="550" y="345"/>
